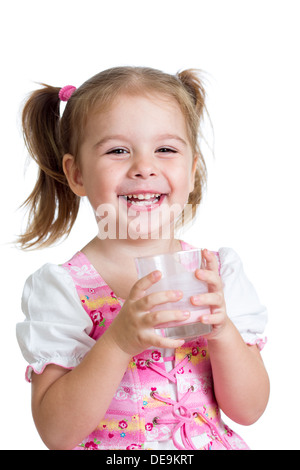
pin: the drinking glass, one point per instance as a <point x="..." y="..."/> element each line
<point x="178" y="273"/>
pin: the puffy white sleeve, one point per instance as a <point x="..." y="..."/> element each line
<point x="56" y="327"/>
<point x="242" y="302"/>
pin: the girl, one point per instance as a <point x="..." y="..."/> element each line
<point x="101" y="377"/>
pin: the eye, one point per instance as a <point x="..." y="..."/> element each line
<point x="166" y="150"/>
<point x="117" y="151"/>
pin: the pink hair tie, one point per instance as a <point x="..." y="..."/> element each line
<point x="66" y="92"/>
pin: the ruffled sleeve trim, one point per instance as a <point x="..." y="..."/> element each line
<point x="39" y="367"/>
<point x="56" y="327"/>
<point x="259" y="342"/>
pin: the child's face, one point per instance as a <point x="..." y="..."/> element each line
<point x="138" y="147"/>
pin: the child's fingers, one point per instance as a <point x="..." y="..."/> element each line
<point x="158" y="341"/>
<point x="211" y="261"/>
<point x="160" y="317"/>
<point x="212" y="299"/>
<point x="212" y="278"/>
<point x="139" y="288"/>
<point x="148" y="302"/>
<point x="213" y="319"/>
<point x="161" y="342"/>
<point x="210" y="274"/>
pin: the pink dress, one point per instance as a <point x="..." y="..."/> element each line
<point x="162" y="401"/>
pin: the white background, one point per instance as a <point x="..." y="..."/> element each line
<point x="250" y="51"/>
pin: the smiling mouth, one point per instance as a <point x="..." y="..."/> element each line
<point x="147" y="200"/>
<point x="143" y="199"/>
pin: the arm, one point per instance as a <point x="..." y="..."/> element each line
<point x="68" y="405"/>
<point x="241" y="382"/>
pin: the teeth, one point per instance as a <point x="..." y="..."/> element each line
<point x="143" y="199"/>
<point x="142" y="196"/>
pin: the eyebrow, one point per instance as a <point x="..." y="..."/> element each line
<point x="122" y="137"/>
<point x="108" y="138"/>
<point x="173" y="137"/>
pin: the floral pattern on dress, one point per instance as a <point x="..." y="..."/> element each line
<point x="130" y="419"/>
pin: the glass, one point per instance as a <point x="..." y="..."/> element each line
<point x="178" y="273"/>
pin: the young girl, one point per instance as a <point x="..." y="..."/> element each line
<point x="102" y="378"/>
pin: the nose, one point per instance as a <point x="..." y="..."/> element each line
<point x="143" y="167"/>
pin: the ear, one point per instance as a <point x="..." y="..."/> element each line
<point x="193" y="172"/>
<point x="73" y="175"/>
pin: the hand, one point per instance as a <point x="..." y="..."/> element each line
<point x="133" y="328"/>
<point x="214" y="298"/>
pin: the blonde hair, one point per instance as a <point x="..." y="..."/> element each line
<point x="52" y="205"/>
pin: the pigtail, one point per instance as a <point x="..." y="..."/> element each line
<point x="52" y="205"/>
<point x="193" y="84"/>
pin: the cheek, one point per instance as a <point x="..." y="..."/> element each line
<point x="182" y="180"/>
<point x="98" y="188"/>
